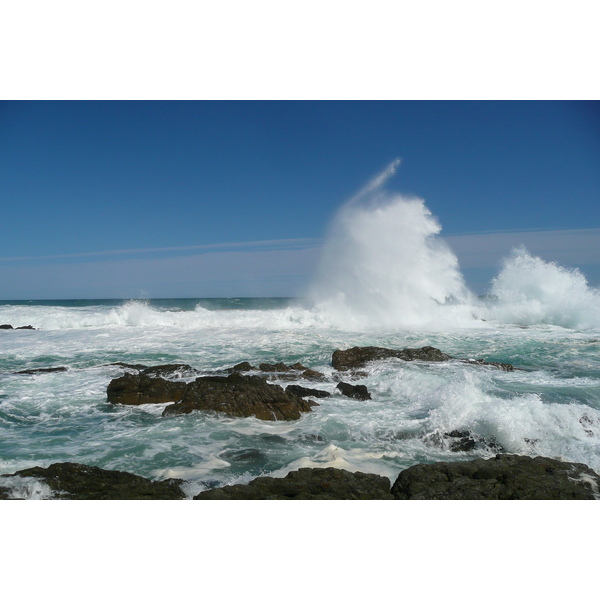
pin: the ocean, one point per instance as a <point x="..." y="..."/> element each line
<point x="549" y="406"/>
<point x="385" y="279"/>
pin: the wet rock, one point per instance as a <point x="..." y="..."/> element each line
<point x="143" y="389"/>
<point x="307" y="484"/>
<point x="124" y="365"/>
<point x="26" y="327"/>
<point x="240" y="396"/>
<point x="42" y="370"/>
<point x="5" y="493"/>
<point x="168" y="370"/>
<point x="303" y="392"/>
<point x="242" y="367"/>
<point x="358" y="357"/>
<point x="274" y="368"/>
<point x="73" y="481"/>
<point x="358" y="392"/>
<point x="498" y="365"/>
<point x="462" y="441"/>
<point x="7" y="326"/>
<point x="505" y="477"/>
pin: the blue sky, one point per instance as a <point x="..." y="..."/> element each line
<point x="225" y="198"/>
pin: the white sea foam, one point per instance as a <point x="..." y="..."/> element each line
<point x="530" y="290"/>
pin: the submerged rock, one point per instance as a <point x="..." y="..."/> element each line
<point x="73" y="481"/>
<point x="143" y="389"/>
<point x="505" y="477"/>
<point x="240" y="396"/>
<point x="307" y="484"/>
<point x="358" y="357"/>
<point x="41" y="370"/>
<point x="303" y="392"/>
<point x="358" y="392"/>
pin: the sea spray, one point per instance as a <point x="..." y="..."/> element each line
<point x="529" y="290"/>
<point x="383" y="264"/>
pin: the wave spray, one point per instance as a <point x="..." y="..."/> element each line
<point x="383" y="264"/>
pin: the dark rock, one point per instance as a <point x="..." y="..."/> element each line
<point x="498" y="365"/>
<point x="242" y="367"/>
<point x="26" y="327"/>
<point x="274" y="368"/>
<point x="143" y="389"/>
<point x="73" y="481"/>
<point x="166" y="370"/>
<point x="307" y="484"/>
<point x="240" y="396"/>
<point x="5" y="493"/>
<point x="303" y="392"/>
<point x="44" y="370"/>
<point x="128" y="366"/>
<point x="358" y="392"/>
<point x="358" y="357"/>
<point x="505" y="477"/>
<point x="462" y="441"/>
<point x="6" y="326"/>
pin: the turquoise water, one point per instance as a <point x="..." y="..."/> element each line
<point x="550" y="406"/>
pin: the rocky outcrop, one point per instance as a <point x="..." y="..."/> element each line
<point x="505" y="477"/>
<point x="279" y="371"/>
<point x="42" y="370"/>
<point x="73" y="481"/>
<point x="307" y="484"/>
<point x="303" y="392"/>
<point x="240" y="396"/>
<point x="359" y="357"/>
<point x="358" y="392"/>
<point x="143" y="389"/>
<point x="6" y="326"/>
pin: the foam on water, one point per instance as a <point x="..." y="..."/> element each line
<point x="530" y="291"/>
<point x="384" y="265"/>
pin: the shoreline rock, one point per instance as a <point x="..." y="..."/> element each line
<point x="359" y="356"/>
<point x="7" y="326"/>
<point x="74" y="481"/>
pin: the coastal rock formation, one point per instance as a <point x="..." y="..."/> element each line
<point x="358" y="392"/>
<point x="7" y="326"/>
<point x="281" y="371"/>
<point x="359" y="357"/>
<point x="42" y="370"/>
<point x="240" y="396"/>
<point x="307" y="484"/>
<point x="73" y="481"/>
<point x="505" y="477"/>
<point x="303" y="392"/>
<point x="143" y="389"/>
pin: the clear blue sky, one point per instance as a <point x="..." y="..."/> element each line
<point x="85" y="186"/>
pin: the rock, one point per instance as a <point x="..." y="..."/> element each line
<point x="274" y="368"/>
<point x="505" y="477"/>
<point x="358" y="392"/>
<point x="44" y="370"/>
<point x="128" y="366"/>
<point x="502" y="366"/>
<point x="358" y="357"/>
<point x="5" y="493"/>
<point x="303" y="392"/>
<point x="307" y="484"/>
<point x="73" y="481"/>
<point x="240" y="396"/>
<point x="6" y="326"/>
<point x="143" y="389"/>
<point x="166" y="370"/>
<point x="462" y="441"/>
<point x="241" y="367"/>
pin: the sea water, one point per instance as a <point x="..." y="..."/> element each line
<point x="387" y="280"/>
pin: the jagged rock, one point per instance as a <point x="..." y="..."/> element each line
<point x="143" y="389"/>
<point x="5" y="493"/>
<point x="240" y="396"/>
<point x="502" y="366"/>
<point x="73" y="481"/>
<point x="505" y="477"/>
<point x="7" y="326"/>
<point x="26" y="327"/>
<point x="129" y="366"/>
<point x="42" y="370"/>
<point x="241" y="367"/>
<point x="462" y="441"/>
<point x="358" y="357"/>
<point x="166" y="370"/>
<point x="274" y="367"/>
<point x="303" y="392"/>
<point x="307" y="484"/>
<point x="358" y="392"/>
